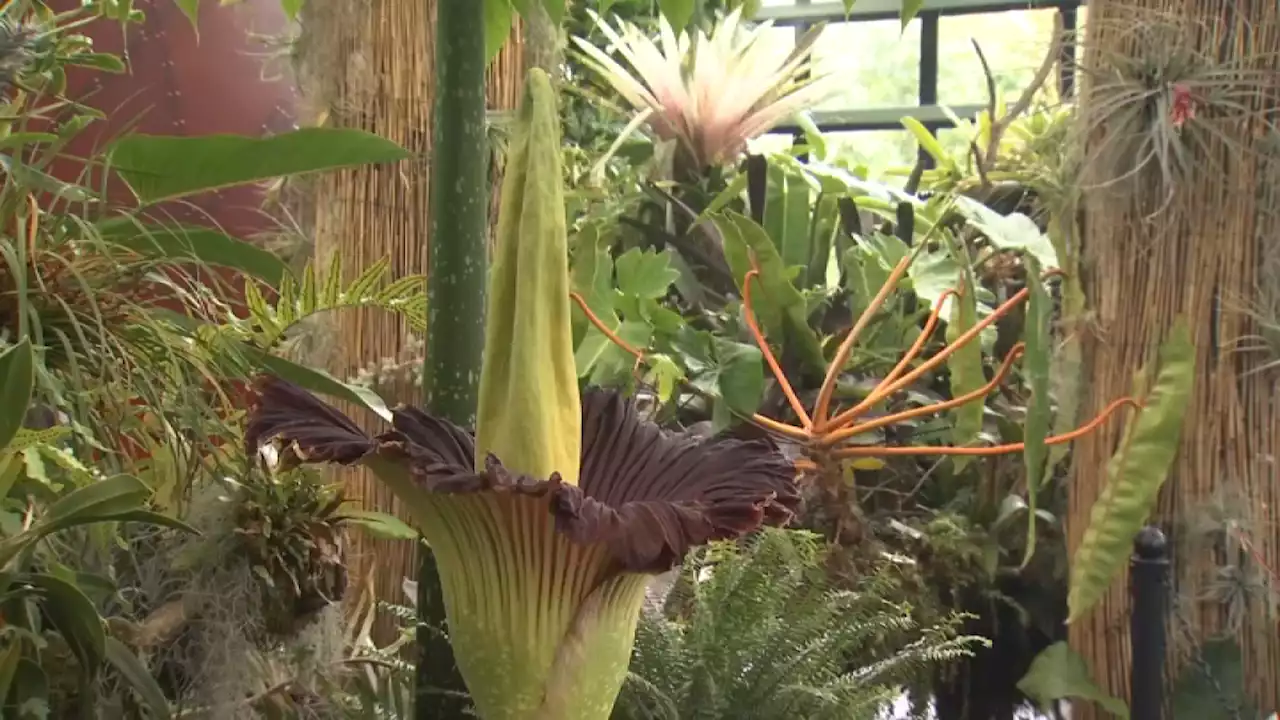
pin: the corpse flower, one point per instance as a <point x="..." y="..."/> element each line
<point x="547" y="524"/>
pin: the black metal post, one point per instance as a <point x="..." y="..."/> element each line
<point x="1148" y="590"/>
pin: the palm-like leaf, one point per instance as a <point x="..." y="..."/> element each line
<point x="710" y="93"/>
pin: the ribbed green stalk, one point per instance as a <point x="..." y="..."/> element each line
<point x="455" y="295"/>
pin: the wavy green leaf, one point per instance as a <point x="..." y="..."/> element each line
<point x="159" y="167"/>
<point x="1135" y="475"/>
<point x="1036" y="359"/>
<point x="965" y="366"/>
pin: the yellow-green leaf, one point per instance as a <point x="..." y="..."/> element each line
<point x="1135" y="475"/>
<point x="1036" y="360"/>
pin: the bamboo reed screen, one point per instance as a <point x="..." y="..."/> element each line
<point x="369" y="65"/>
<point x="1210" y="254"/>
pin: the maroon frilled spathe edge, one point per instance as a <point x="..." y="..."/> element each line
<point x="647" y="494"/>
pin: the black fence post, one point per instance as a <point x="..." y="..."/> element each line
<point x="1149" y="576"/>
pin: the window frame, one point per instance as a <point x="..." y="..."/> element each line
<point x="803" y="14"/>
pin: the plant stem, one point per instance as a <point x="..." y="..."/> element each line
<point x="455" y="300"/>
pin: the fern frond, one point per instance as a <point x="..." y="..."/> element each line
<point x="298" y="300"/>
<point x="767" y="637"/>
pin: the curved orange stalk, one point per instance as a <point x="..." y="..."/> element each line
<point x="929" y="326"/>
<point x="604" y="329"/>
<point x="750" y="316"/>
<point x="846" y="347"/>
<point x="885" y="389"/>
<point x="882" y="451"/>
<point x="845" y="433"/>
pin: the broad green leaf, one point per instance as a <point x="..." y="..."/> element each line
<point x="677" y="12"/>
<point x="136" y="674"/>
<point x="17" y="382"/>
<point x="191" y="243"/>
<point x="1135" y="475"/>
<point x="780" y="307"/>
<point x="591" y="272"/>
<point x="291" y="8"/>
<point x="663" y="373"/>
<point x="1059" y="673"/>
<point x="555" y="8"/>
<point x="740" y="375"/>
<point x="320" y="382"/>
<point x="379" y="524"/>
<point x="786" y="215"/>
<point x="159" y="167"/>
<point x="75" y="617"/>
<point x="966" y="369"/>
<point x="1014" y="231"/>
<point x="645" y="274"/>
<point x="1036" y="359"/>
<point x="499" y="17"/>
<point x="148" y="518"/>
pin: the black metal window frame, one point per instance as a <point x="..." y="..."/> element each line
<point x="803" y="14"/>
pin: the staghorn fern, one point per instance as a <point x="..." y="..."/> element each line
<point x="766" y="636"/>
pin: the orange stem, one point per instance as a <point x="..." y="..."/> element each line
<point x="881" y="451"/>
<point x="791" y="431"/>
<point x="885" y="389"/>
<point x="754" y="327"/>
<point x="604" y="329"/>
<point x="930" y="325"/>
<point x="846" y="433"/>
<point x="846" y="348"/>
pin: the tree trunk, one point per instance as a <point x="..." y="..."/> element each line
<point x="370" y="65"/>
<point x="1203" y="243"/>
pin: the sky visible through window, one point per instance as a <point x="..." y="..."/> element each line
<point x="879" y="63"/>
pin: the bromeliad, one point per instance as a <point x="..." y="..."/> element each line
<point x="549" y="522"/>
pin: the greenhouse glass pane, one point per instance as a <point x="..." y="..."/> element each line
<point x="878" y="64"/>
<point x="1014" y="42"/>
<point x="878" y="150"/>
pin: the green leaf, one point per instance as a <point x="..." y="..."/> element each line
<point x="135" y="673"/>
<point x="780" y="307"/>
<point x="1059" y="673"/>
<point x="928" y="142"/>
<point x="109" y="496"/>
<point x="591" y="273"/>
<point x="191" y="243"/>
<point x="555" y="8"/>
<point x="159" y="167"/>
<point x="17" y="382"/>
<point x="291" y="8"/>
<point x="75" y="617"/>
<point x="965" y="365"/>
<point x="910" y="8"/>
<point x="1014" y="231"/>
<point x="1036" y="359"/>
<point x="1213" y="685"/>
<point x="740" y="375"/>
<point x="677" y="12"/>
<point x="191" y="9"/>
<point x="1135" y="475"/>
<point x="321" y="382"/>
<point x="499" y="16"/>
<point x="645" y="274"/>
<point x="786" y="215"/>
<point x="380" y="524"/>
<point x="105" y="62"/>
<point x="9" y="658"/>
<point x="149" y="518"/>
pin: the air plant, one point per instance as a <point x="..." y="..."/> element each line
<point x="548" y="523"/>
<point x="710" y="94"/>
